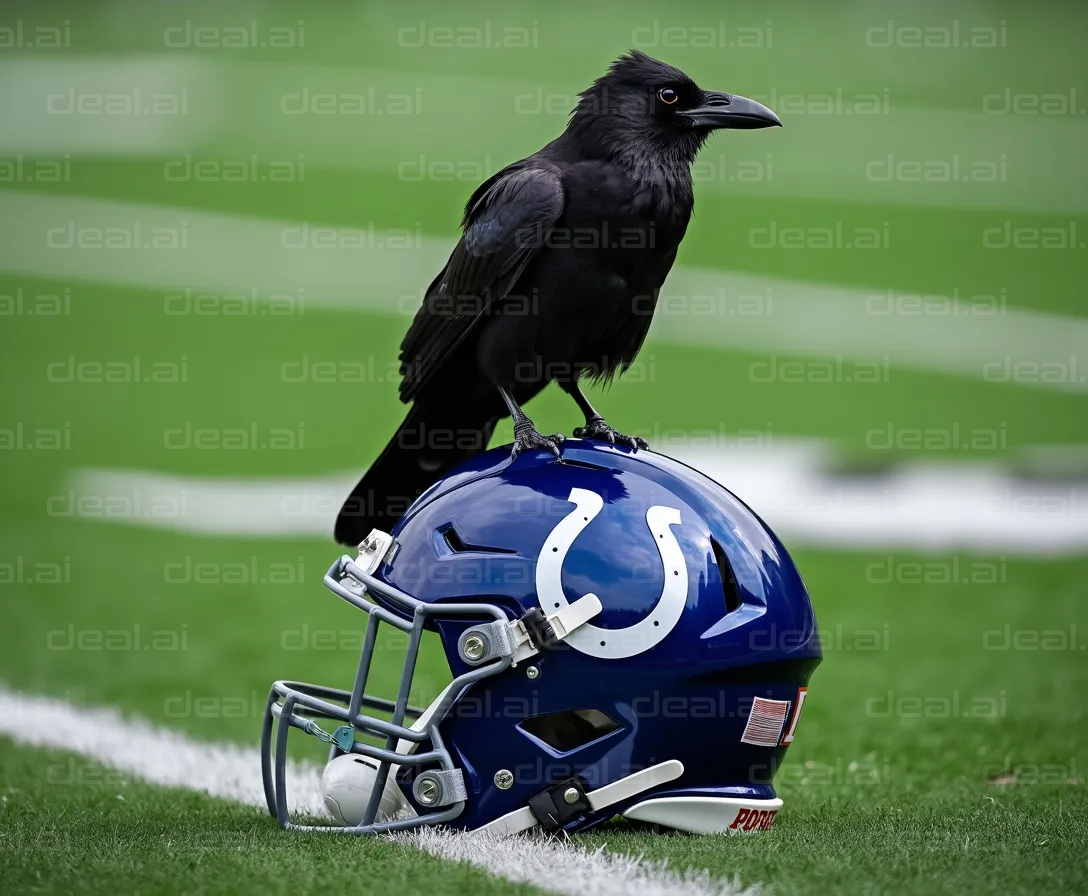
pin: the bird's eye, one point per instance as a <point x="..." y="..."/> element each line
<point x="668" y="96"/>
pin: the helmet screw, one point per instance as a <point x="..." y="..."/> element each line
<point x="570" y="795"/>
<point x="532" y="673"/>
<point x="503" y="779"/>
<point x="427" y="791"/>
<point x="473" y="647"/>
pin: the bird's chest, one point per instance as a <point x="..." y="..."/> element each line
<point x="607" y="258"/>
<point x="622" y="238"/>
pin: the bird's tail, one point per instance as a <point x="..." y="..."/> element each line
<point x="430" y="442"/>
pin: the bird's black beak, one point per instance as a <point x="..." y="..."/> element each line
<point x="727" y="110"/>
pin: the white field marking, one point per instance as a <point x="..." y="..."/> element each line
<point x="236" y="109"/>
<point x="933" y="507"/>
<point x="170" y="759"/>
<point x="155" y="754"/>
<point x="851" y="325"/>
<point x="265" y="508"/>
<point x="40" y="103"/>
<point x="560" y="867"/>
<point x="241" y="255"/>
<point x="224" y="253"/>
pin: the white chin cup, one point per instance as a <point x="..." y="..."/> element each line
<point x="346" y="786"/>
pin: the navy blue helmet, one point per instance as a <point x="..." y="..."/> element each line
<point x="624" y="636"/>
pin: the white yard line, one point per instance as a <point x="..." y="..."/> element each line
<point x="559" y="867"/>
<point x="170" y="759"/>
<point x="932" y="507"/>
<point x="927" y="507"/>
<point x="171" y="105"/>
<point x="771" y="318"/>
<point x="159" y="755"/>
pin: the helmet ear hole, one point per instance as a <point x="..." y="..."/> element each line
<point x="729" y="581"/>
<point x="567" y="731"/>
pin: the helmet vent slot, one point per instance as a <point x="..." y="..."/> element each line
<point x="458" y="545"/>
<point x="566" y="731"/>
<point x="584" y="464"/>
<point x="729" y="581"/>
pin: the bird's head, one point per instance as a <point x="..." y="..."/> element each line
<point x="641" y="101"/>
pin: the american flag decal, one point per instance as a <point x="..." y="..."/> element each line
<point x="765" y="722"/>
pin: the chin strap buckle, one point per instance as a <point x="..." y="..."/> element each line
<point x="539" y="629"/>
<point x="554" y="807"/>
<point x="533" y="633"/>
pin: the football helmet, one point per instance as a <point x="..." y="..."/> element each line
<point x="624" y="636"/>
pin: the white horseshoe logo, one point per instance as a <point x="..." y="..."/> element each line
<point x="614" y="643"/>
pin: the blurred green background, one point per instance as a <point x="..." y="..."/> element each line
<point x="303" y="168"/>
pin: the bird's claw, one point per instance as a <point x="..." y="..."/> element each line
<point x="600" y="431"/>
<point x="527" y="438"/>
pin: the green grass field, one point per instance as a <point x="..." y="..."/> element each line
<point x="930" y="758"/>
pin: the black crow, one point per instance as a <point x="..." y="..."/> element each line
<point x="555" y="278"/>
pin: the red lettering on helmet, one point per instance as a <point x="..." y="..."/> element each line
<point x="754" y="819"/>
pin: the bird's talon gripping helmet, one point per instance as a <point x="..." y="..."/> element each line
<point x="625" y="637"/>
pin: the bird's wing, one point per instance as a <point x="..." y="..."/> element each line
<point x="506" y="221"/>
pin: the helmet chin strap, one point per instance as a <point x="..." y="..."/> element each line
<point x="524" y="638"/>
<point x="632" y="785"/>
<point x="559" y="626"/>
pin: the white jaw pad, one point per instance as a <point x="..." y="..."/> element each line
<point x="346" y="785"/>
<point x="707" y="814"/>
<point x="522" y="819"/>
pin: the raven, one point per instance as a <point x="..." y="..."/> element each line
<point x="555" y="278"/>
